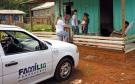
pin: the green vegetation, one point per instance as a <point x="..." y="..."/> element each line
<point x="21" y="35"/>
<point x="39" y="27"/>
<point x="20" y="5"/>
<point x="14" y="4"/>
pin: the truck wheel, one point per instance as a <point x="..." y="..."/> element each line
<point x="63" y="70"/>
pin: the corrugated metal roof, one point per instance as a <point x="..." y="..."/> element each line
<point x="44" y="6"/>
<point x="39" y="1"/>
<point x="11" y="12"/>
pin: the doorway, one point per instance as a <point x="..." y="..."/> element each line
<point x="67" y="8"/>
<point x="106" y="17"/>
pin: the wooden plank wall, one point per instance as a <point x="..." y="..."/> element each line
<point x="129" y="43"/>
<point x="97" y="41"/>
<point x="39" y="20"/>
<point x="102" y="42"/>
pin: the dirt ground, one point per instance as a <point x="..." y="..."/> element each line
<point x="96" y="67"/>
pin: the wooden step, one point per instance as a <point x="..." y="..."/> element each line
<point x="44" y="33"/>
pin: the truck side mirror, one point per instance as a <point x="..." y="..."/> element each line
<point x="43" y="46"/>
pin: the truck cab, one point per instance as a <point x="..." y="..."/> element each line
<point x="0" y="64"/>
<point x="24" y="58"/>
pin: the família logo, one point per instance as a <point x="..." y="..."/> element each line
<point x="32" y="70"/>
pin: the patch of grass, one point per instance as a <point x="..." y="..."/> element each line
<point x="39" y="27"/>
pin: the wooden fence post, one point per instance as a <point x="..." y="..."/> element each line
<point x="123" y="29"/>
<point x="71" y="35"/>
<point x="30" y="15"/>
<point x="59" y="8"/>
<point x="123" y="17"/>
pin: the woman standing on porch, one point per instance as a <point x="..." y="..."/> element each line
<point x="85" y="23"/>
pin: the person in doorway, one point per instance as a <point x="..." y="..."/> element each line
<point x="126" y="25"/>
<point x="85" y="23"/>
<point x="66" y="18"/>
<point x="119" y="33"/>
<point x="61" y="34"/>
<point x="75" y="23"/>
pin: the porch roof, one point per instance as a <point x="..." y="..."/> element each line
<point x="39" y="1"/>
<point x="44" y="6"/>
<point x="11" y="12"/>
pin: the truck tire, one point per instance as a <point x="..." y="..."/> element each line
<point x="63" y="70"/>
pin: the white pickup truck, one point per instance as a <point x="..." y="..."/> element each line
<point x="26" y="59"/>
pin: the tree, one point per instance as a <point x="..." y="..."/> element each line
<point x="14" y="4"/>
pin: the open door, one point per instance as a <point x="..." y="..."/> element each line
<point x="106" y="17"/>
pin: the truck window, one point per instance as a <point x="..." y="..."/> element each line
<point x="18" y="42"/>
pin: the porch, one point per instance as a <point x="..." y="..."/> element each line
<point x="111" y="44"/>
<point x="107" y="44"/>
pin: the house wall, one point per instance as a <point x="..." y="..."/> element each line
<point x="44" y="12"/>
<point x="12" y="19"/>
<point x="129" y="14"/>
<point x="56" y="8"/>
<point x="117" y="14"/>
<point x="92" y="7"/>
<point x="89" y="6"/>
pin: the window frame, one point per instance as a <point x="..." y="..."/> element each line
<point x="45" y="47"/>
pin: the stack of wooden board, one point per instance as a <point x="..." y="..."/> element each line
<point x="102" y="42"/>
<point x="126" y="44"/>
<point x="46" y="35"/>
<point x="129" y="43"/>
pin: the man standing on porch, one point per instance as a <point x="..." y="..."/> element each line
<point x="75" y="23"/>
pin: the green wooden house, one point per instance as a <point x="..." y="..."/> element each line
<point x="105" y="15"/>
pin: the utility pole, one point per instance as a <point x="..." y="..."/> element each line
<point x="123" y="17"/>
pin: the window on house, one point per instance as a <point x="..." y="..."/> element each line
<point x="48" y="12"/>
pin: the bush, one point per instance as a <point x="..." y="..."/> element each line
<point x="39" y="27"/>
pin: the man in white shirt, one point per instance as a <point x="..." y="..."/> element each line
<point x="61" y="34"/>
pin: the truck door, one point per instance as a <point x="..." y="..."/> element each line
<point x="0" y="69"/>
<point x="1" y="54"/>
<point x="24" y="61"/>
